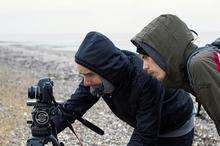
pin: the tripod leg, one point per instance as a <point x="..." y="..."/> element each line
<point x="54" y="141"/>
<point x="33" y="141"/>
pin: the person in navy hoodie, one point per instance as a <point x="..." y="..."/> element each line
<point x="160" y="116"/>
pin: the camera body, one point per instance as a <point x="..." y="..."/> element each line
<point x="42" y="91"/>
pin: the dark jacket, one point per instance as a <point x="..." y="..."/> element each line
<point x="193" y="69"/>
<point x="138" y="99"/>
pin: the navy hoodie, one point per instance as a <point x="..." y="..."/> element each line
<point x="138" y="99"/>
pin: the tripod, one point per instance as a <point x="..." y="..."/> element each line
<point x="42" y="128"/>
<point x="40" y="141"/>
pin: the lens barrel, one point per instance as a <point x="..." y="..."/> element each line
<point x="34" y="92"/>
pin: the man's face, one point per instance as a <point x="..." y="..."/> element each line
<point x="90" y="78"/>
<point x="151" y="67"/>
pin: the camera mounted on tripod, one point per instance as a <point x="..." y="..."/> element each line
<point x="43" y="129"/>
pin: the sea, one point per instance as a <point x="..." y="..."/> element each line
<point x="72" y="41"/>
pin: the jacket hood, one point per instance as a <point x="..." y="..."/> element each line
<point x="100" y="55"/>
<point x="168" y="40"/>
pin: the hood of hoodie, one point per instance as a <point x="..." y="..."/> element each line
<point x="100" y="55"/>
<point x="168" y="40"/>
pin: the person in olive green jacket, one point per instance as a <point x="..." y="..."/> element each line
<point x="168" y="43"/>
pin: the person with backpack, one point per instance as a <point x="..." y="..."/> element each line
<point x="159" y="116"/>
<point x="168" y="42"/>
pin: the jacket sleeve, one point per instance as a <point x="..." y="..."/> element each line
<point x="81" y="100"/>
<point x="148" y="115"/>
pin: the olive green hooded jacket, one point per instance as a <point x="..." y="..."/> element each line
<point x="168" y="40"/>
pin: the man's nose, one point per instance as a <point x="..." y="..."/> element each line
<point x="145" y="66"/>
<point x="87" y="81"/>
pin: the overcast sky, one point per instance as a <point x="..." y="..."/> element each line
<point x="113" y="16"/>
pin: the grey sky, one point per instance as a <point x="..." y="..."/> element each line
<point x="114" y="16"/>
<point x="106" y="16"/>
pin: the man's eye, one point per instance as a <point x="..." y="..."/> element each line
<point x="143" y="56"/>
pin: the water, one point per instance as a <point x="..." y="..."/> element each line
<point x="48" y="41"/>
<point x="71" y="42"/>
<point x="66" y="42"/>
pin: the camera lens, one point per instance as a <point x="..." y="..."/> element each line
<point x="33" y="92"/>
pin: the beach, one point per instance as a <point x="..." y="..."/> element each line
<point x="23" y="65"/>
